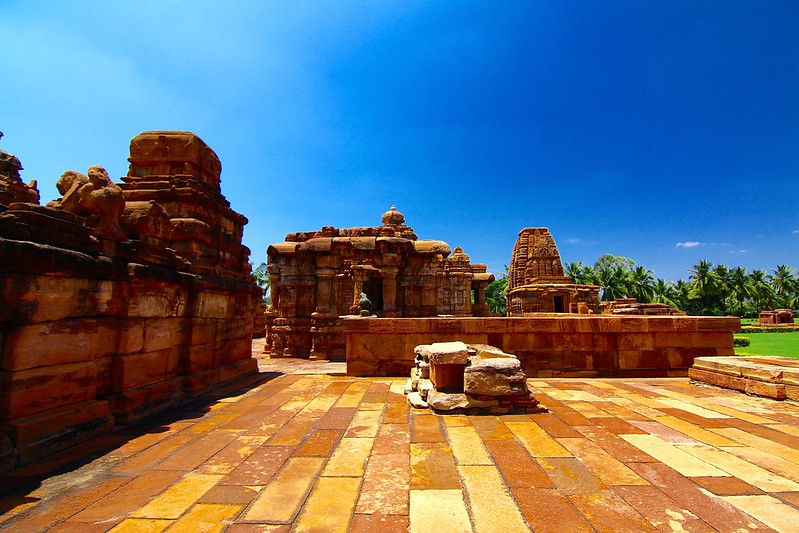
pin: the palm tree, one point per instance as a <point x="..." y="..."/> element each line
<point x="642" y="284"/>
<point x="784" y="282"/>
<point x="682" y="295"/>
<point x="761" y="290"/>
<point x="614" y="282"/>
<point x="665" y="293"/>
<point x="741" y="287"/>
<point x="723" y="285"/>
<point x="703" y="282"/>
<point x="262" y="279"/>
<point x="575" y="270"/>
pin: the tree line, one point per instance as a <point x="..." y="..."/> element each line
<point x="709" y="290"/>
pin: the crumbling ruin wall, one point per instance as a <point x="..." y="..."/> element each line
<point x="117" y="301"/>
<point x="547" y="346"/>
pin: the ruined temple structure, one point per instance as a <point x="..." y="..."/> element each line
<point x="318" y="277"/>
<point x="118" y="300"/>
<point x="778" y="317"/>
<point x="537" y="283"/>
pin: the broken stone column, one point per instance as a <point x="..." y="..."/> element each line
<point x="479" y="379"/>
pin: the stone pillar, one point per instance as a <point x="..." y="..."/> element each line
<point x="324" y="290"/>
<point x="274" y="287"/>
<point x="357" y="289"/>
<point x="389" y="290"/>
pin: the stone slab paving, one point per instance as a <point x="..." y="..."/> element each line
<point x="293" y="449"/>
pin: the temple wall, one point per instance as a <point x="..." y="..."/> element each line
<point x="548" y="346"/>
<point x="103" y="329"/>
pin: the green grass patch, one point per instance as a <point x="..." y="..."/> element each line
<point x="747" y="321"/>
<point x="771" y="344"/>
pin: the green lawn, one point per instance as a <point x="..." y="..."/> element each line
<point x="771" y="344"/>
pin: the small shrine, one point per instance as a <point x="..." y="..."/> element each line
<point x="384" y="271"/>
<point x="537" y="283"/>
<point x="778" y="317"/>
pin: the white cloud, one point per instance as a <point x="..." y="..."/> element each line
<point x="795" y="232"/>
<point x="739" y="251"/>
<point x="573" y="241"/>
<point x="689" y="244"/>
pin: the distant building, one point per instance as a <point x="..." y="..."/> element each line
<point x="317" y="277"/>
<point x="537" y="283"/>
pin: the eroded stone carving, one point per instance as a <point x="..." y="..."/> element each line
<point x="12" y="189"/>
<point x="94" y="197"/>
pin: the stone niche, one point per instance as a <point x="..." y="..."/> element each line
<point x="119" y="300"/>
<point x="385" y="271"/>
<point x="537" y="283"/>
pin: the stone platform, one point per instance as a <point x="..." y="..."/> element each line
<point x="774" y="377"/>
<point x="286" y="451"/>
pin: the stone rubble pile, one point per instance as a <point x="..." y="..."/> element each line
<point x="453" y="377"/>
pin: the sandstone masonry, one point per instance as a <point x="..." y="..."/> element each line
<point x="118" y="300"/>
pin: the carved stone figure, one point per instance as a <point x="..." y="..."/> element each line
<point x="11" y="187"/>
<point x="94" y="197"/>
<point x="365" y="304"/>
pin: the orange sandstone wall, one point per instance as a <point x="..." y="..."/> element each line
<point x="565" y="345"/>
<point x="99" y="328"/>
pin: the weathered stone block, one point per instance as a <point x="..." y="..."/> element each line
<point x="138" y="370"/>
<point x="199" y="331"/>
<point x="767" y="373"/>
<point x="43" y="298"/>
<point x="155" y="300"/>
<point x="494" y="377"/>
<point x="130" y="335"/>
<point x="237" y="370"/>
<point x="442" y="401"/>
<point x="26" y="392"/>
<point x="162" y="333"/>
<point x="197" y="358"/>
<point x="719" y="380"/>
<point x="447" y="353"/>
<point x="55" y="343"/>
<point x="134" y="404"/>
<point x="49" y="431"/>
<point x="721" y="365"/>
<point x="213" y="305"/>
<point x="637" y="341"/>
<point x="769" y="390"/>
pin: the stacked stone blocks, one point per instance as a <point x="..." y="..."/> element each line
<point x="547" y="346"/>
<point x="769" y="376"/>
<point x="451" y="377"/>
<point x="103" y="328"/>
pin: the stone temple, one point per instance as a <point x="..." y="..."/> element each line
<point x="318" y="277"/>
<point x="537" y="283"/>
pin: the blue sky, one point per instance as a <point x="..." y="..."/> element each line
<point x="667" y="132"/>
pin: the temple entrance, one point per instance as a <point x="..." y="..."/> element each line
<point x="374" y="291"/>
<point x="558" y="304"/>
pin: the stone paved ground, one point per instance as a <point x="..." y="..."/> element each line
<point x="320" y="452"/>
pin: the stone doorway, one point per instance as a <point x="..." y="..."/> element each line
<point x="374" y="291"/>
